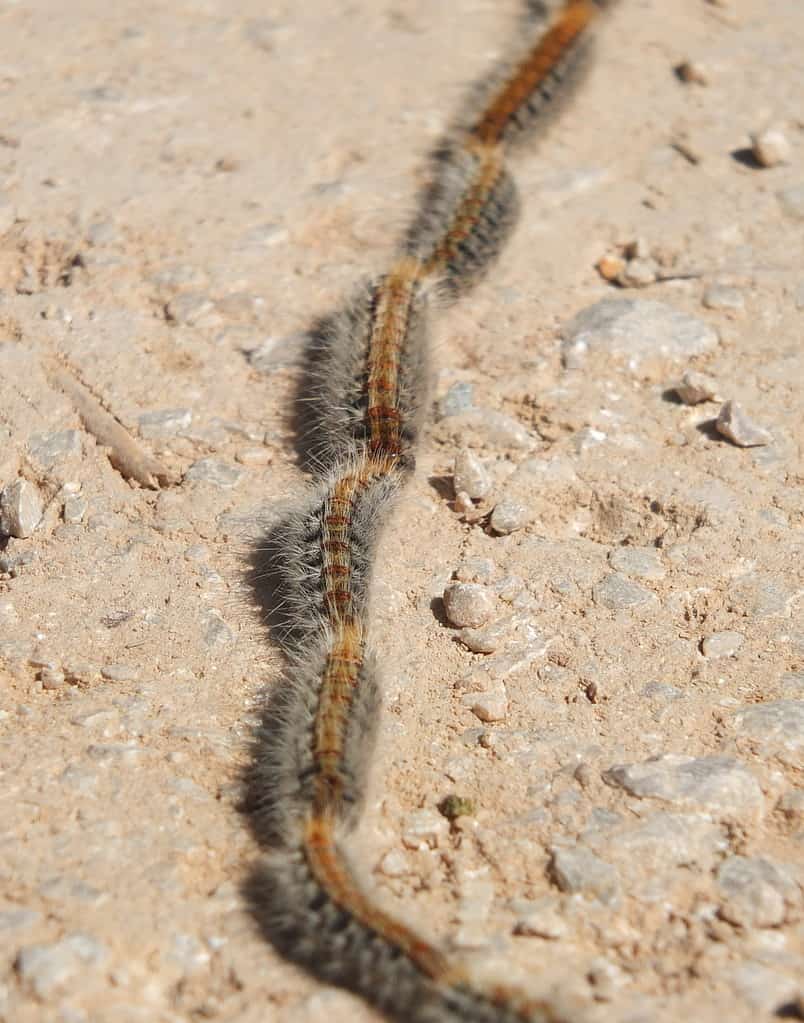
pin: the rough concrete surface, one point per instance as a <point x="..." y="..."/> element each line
<point x="183" y="188"/>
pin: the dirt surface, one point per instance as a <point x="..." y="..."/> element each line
<point x="183" y="187"/>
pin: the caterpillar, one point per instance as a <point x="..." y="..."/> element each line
<point x="363" y="398"/>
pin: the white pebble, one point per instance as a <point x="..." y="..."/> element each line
<point x="470" y="476"/>
<point x="723" y="296"/>
<point x="424" y="830"/>
<point x="490" y="706"/>
<point x="20" y="509"/>
<point x="508" y="516"/>
<point x="696" y="387"/>
<point x="722" y="644"/>
<point x="394" y="864"/>
<point x="770" y="147"/>
<point x="468" y="604"/>
<point x="735" y="425"/>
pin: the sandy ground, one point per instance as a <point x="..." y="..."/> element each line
<point x="184" y="184"/>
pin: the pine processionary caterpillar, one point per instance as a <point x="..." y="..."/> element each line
<point x="364" y="395"/>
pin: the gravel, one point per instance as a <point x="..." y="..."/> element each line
<point x="470" y="476"/>
<point x="718" y="784"/>
<point x="695" y="388"/>
<point x="778" y="726"/>
<point x="47" y="449"/>
<point x="733" y="424"/>
<point x="468" y="604"/>
<point x="577" y="870"/>
<point x="724" y="297"/>
<point x="754" y="892"/>
<point x="21" y="509"/>
<point x="50" y="969"/>
<point x="216" y="473"/>
<point x="510" y="515"/>
<point x="459" y="398"/>
<point x="164" y="422"/>
<point x="619" y="594"/>
<point x="634" y="331"/>
<point x="722" y="644"/>
<point x="770" y="147"/>
<point x="638" y="562"/>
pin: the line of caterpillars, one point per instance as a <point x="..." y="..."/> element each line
<point x="367" y="383"/>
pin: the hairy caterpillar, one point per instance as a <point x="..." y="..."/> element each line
<point x="364" y="394"/>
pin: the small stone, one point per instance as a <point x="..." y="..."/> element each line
<point x="476" y="570"/>
<point x="463" y="503"/>
<point x="80" y="672"/>
<point x="394" y="864"/>
<point x="468" y="604"/>
<point x="638" y="273"/>
<point x="216" y="632"/>
<point x="192" y="309"/>
<point x="733" y="424"/>
<point x="539" y="919"/>
<point x="722" y="296"/>
<point x="48" y="969"/>
<point x="216" y="473"/>
<point x="453" y="806"/>
<point x="253" y="458"/>
<point x="722" y="644"/>
<point x="792" y="201"/>
<point x="277" y="352"/>
<point x="128" y="753"/>
<point x="634" y="330"/>
<point x="49" y="448"/>
<point x="51" y="678"/>
<point x="619" y="594"/>
<point x="487" y="638"/>
<point x="765" y="991"/>
<point x="165" y="422"/>
<point x="509" y="515"/>
<point x="577" y="869"/>
<point x="755" y="892"/>
<point x="691" y="71"/>
<point x="425" y="829"/>
<point x="770" y="147"/>
<point x="119" y="673"/>
<point x="639" y="562"/>
<point x="653" y="846"/>
<point x="490" y="706"/>
<point x="777" y="725"/>
<point x="20" y="509"/>
<point x="490" y="428"/>
<point x="470" y="476"/>
<point x="459" y="398"/>
<point x="610" y="267"/>
<point x="721" y="785"/>
<point x="696" y="387"/>
<point x="75" y="509"/>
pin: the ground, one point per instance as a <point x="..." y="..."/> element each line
<point x="183" y="188"/>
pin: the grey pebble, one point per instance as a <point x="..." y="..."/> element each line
<point x="164" y="422"/>
<point x="468" y="604"/>
<point x="577" y="869"/>
<point x="721" y="785"/>
<point x="119" y="673"/>
<point x="48" y="448"/>
<point x="638" y="273"/>
<point x="75" y="509"/>
<point x="778" y="725"/>
<point x="510" y="515"/>
<point x="619" y="594"/>
<point x="634" y="330"/>
<point x="722" y="644"/>
<point x="754" y="892"/>
<point x="48" y="969"/>
<point x="476" y="570"/>
<point x="216" y="632"/>
<point x="192" y="309"/>
<point x="276" y="352"/>
<point x="470" y="475"/>
<point x="116" y="753"/>
<point x="491" y="428"/>
<point x="652" y="846"/>
<point x="639" y="562"/>
<point x="18" y="919"/>
<point x="540" y="918"/>
<point x="733" y="424"/>
<point x="724" y="296"/>
<point x="696" y="387"/>
<point x="765" y="990"/>
<point x="759" y="596"/>
<point x="20" y="509"/>
<point x="792" y="201"/>
<point x="487" y="638"/>
<point x="217" y="473"/>
<point x="459" y="398"/>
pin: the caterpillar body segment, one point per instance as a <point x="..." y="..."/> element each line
<point x="344" y="390"/>
<point x="465" y="216"/>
